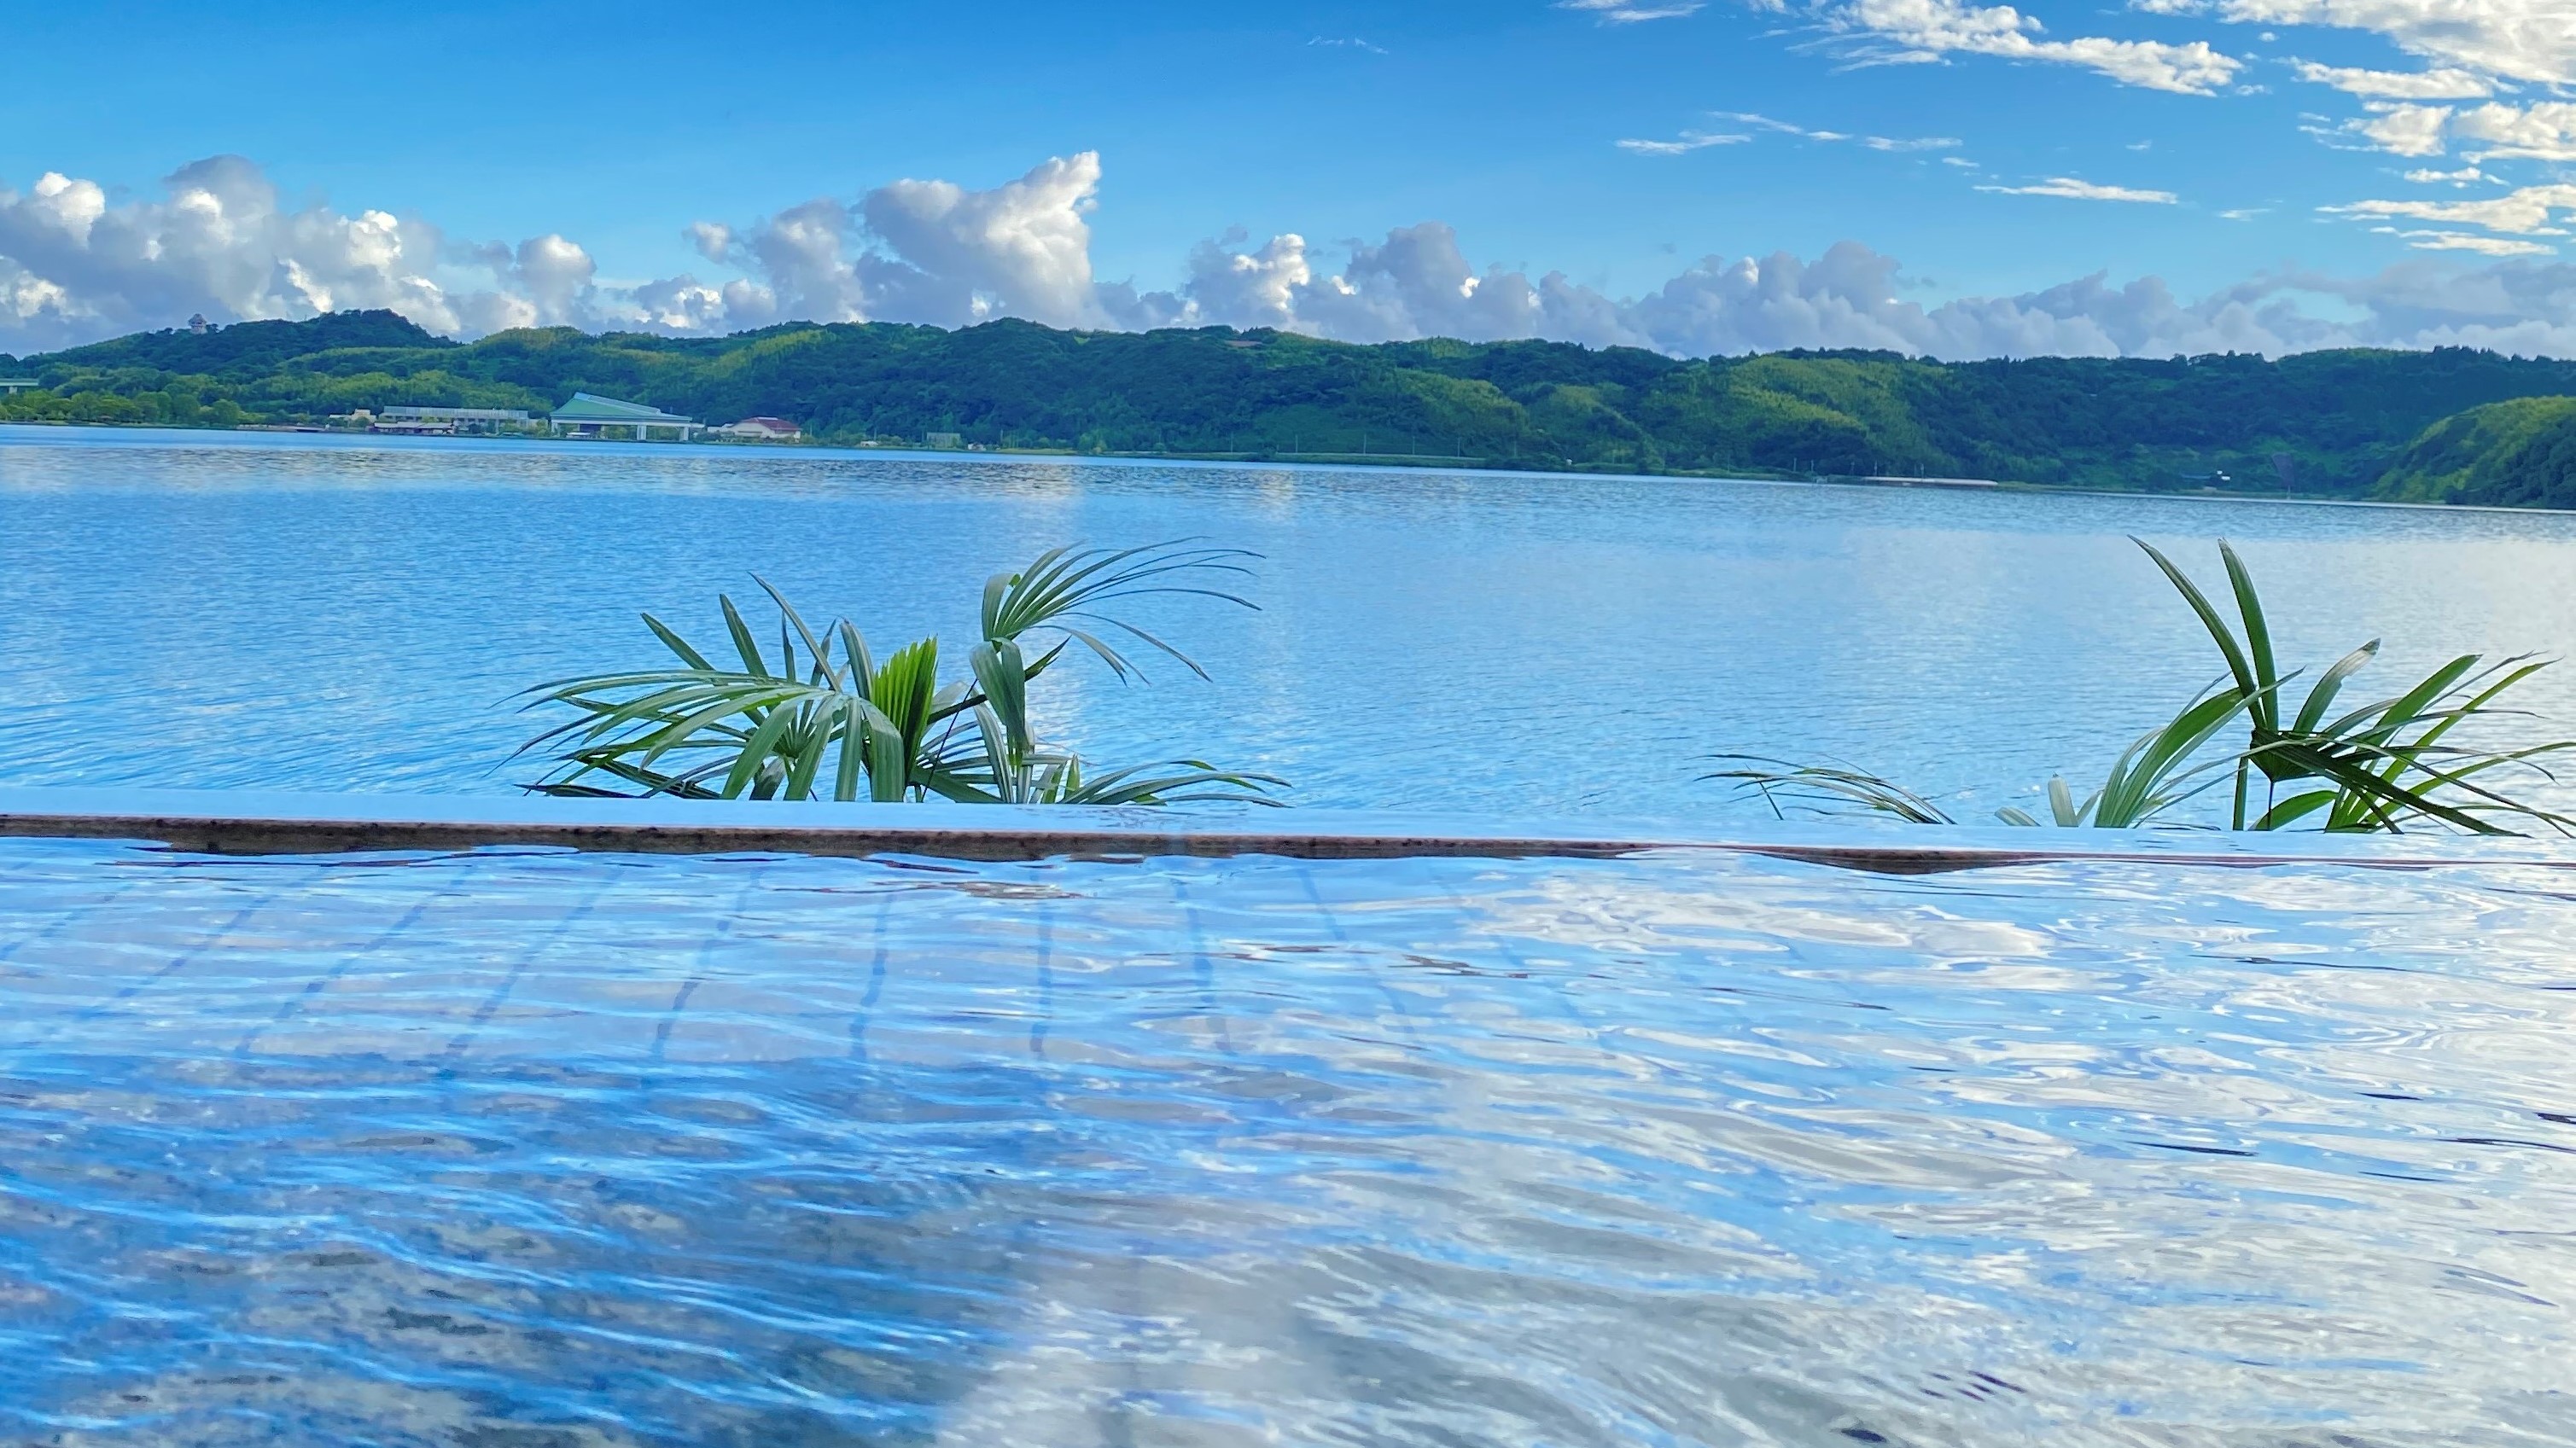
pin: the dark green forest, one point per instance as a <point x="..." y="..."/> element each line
<point x="2335" y="422"/>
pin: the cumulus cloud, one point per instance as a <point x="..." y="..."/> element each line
<point x="920" y="251"/>
<point x="2075" y="190"/>
<point x="1420" y="283"/>
<point x="76" y="265"/>
<point x="73" y="265"/>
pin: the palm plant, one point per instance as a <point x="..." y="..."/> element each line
<point x="833" y="723"/>
<point x="2378" y="767"/>
<point x="2389" y="765"/>
<point x="1825" y="789"/>
<point x="2151" y="776"/>
<point x="2154" y="774"/>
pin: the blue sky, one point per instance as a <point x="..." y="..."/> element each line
<point x="613" y="128"/>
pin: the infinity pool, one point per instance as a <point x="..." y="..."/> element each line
<point x="1691" y="1147"/>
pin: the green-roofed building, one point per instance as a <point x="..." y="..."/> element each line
<point x="588" y="415"/>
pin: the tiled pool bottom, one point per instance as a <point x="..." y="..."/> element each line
<point x="524" y="1150"/>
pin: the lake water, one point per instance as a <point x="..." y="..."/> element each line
<point x="200" y="609"/>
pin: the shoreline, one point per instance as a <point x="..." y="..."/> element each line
<point x="1319" y="462"/>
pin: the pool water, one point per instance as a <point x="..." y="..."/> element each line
<point x="529" y="1148"/>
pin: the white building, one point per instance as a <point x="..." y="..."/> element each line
<point x="760" y="429"/>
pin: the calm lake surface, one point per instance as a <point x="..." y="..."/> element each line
<point x="196" y="609"/>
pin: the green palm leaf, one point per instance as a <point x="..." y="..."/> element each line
<point x="830" y="719"/>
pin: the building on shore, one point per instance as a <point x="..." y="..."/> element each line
<point x="589" y="415"/>
<point x="759" y="429"/>
<point x="447" y="421"/>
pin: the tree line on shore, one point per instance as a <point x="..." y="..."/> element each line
<point x="2355" y="423"/>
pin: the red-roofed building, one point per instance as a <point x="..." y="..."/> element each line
<point x="760" y="429"/>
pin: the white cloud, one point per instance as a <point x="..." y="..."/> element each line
<point x="1624" y="12"/>
<point x="2403" y="130"/>
<point x="2461" y="177"/>
<point x="2525" y="212"/>
<point x="1687" y="142"/>
<point x="2467" y="241"/>
<point x="2075" y="190"/>
<point x="1021" y="248"/>
<point x="1876" y="143"/>
<point x="2525" y="40"/>
<point x="920" y="251"/>
<point x="1251" y="289"/>
<point x="1898" y="31"/>
<point x="1420" y="284"/>
<point x="1786" y="128"/>
<point x="74" y="265"/>
<point x="2545" y="131"/>
<point x="2419" y="85"/>
<point x="2542" y="131"/>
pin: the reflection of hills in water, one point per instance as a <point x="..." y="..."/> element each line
<point x="527" y="1148"/>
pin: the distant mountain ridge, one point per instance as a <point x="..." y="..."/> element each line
<point x="246" y="344"/>
<point x="2339" y="419"/>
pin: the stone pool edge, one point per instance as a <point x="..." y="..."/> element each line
<point x="259" y="822"/>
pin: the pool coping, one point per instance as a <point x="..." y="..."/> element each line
<point x="264" y="822"/>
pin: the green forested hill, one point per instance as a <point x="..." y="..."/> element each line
<point x="2339" y="417"/>
<point x="2520" y="453"/>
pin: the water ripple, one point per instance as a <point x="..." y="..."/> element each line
<point x="526" y="1148"/>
